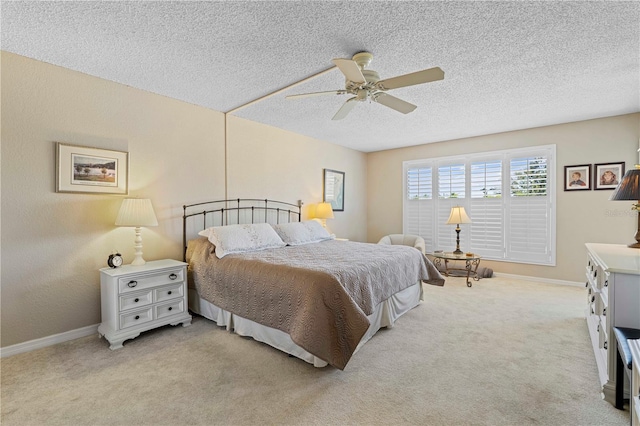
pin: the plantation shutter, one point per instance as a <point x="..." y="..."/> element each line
<point x="529" y="228"/>
<point x="486" y="209"/>
<point x="418" y="205"/>
<point x="451" y="193"/>
<point x="509" y="196"/>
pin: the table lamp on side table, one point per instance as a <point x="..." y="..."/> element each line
<point x="458" y="216"/>
<point x="323" y="212"/>
<point x="137" y="212"/>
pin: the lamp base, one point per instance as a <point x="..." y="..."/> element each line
<point x="637" y="236"/>
<point x="138" y="260"/>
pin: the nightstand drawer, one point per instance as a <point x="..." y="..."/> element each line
<point x="169" y="292"/>
<point x="170" y="309"/>
<point x="136" y="300"/>
<point x="136" y="318"/>
<point x="127" y="284"/>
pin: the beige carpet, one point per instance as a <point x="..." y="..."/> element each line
<point x="503" y="352"/>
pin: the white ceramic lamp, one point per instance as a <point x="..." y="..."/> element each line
<point x="458" y="216"/>
<point x="137" y="212"/>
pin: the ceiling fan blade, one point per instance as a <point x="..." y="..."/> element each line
<point x="419" y="77"/>
<point x="308" y="95"/>
<point x="350" y="69"/>
<point x="394" y="103"/>
<point x="345" y="109"/>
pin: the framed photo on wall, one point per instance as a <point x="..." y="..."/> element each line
<point x="83" y="169"/>
<point x="333" y="189"/>
<point x="577" y="178"/>
<point x="607" y="175"/>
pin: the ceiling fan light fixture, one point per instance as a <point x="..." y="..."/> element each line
<point x="366" y="84"/>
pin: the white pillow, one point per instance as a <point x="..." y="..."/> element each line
<point x="242" y="238"/>
<point x="298" y="233"/>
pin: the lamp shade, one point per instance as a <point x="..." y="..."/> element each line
<point x="629" y="187"/>
<point x="457" y="216"/>
<point x="136" y="212"/>
<point x="324" y="211"/>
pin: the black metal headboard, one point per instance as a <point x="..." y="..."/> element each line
<point x="238" y="211"/>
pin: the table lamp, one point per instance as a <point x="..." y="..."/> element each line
<point x="458" y="216"/>
<point x="629" y="189"/>
<point x="323" y="212"/>
<point x="137" y="212"/>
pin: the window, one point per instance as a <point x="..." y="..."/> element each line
<point x="509" y="196"/>
<point x="418" y="213"/>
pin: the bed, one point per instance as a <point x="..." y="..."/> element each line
<point x="298" y="290"/>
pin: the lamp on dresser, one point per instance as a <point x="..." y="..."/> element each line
<point x="629" y="189"/>
<point x="458" y="216"/>
<point x="137" y="212"/>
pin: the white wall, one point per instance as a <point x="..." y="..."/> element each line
<point x="582" y="216"/>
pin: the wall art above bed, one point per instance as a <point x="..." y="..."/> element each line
<point x="333" y="189"/>
<point x="91" y="170"/>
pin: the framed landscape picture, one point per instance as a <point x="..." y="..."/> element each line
<point x="91" y="170"/>
<point x="607" y="175"/>
<point x="577" y="178"/>
<point x="334" y="189"/>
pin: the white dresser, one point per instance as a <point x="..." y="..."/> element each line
<point x="613" y="300"/>
<point x="139" y="298"/>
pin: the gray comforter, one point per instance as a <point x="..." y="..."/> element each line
<point x="320" y="294"/>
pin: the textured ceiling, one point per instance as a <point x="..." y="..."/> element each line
<point x="508" y="65"/>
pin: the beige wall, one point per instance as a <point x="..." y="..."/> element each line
<point x="287" y="166"/>
<point x="54" y="243"/>
<point x="584" y="216"/>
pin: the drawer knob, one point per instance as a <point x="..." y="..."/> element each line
<point x="606" y="283"/>
<point x="170" y="307"/>
<point x="173" y="276"/>
<point x="604" y="312"/>
<point x="169" y="292"/>
<point x="132" y="284"/>
<point x="136" y="300"/>
<point x="137" y="317"/>
<point x="593" y="298"/>
<point x="606" y="345"/>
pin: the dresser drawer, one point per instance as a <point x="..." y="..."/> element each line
<point x="169" y="309"/>
<point x="169" y="292"/>
<point x="129" y="284"/>
<point x="136" y="300"/>
<point x="136" y="318"/>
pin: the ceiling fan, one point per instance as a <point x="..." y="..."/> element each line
<point x="366" y="84"/>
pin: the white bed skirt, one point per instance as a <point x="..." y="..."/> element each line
<point x="385" y="314"/>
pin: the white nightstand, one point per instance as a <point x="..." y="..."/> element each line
<point x="138" y="298"/>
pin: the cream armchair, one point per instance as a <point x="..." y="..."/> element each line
<point x="405" y="240"/>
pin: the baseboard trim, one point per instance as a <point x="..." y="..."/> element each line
<point x="540" y="280"/>
<point x="48" y="341"/>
